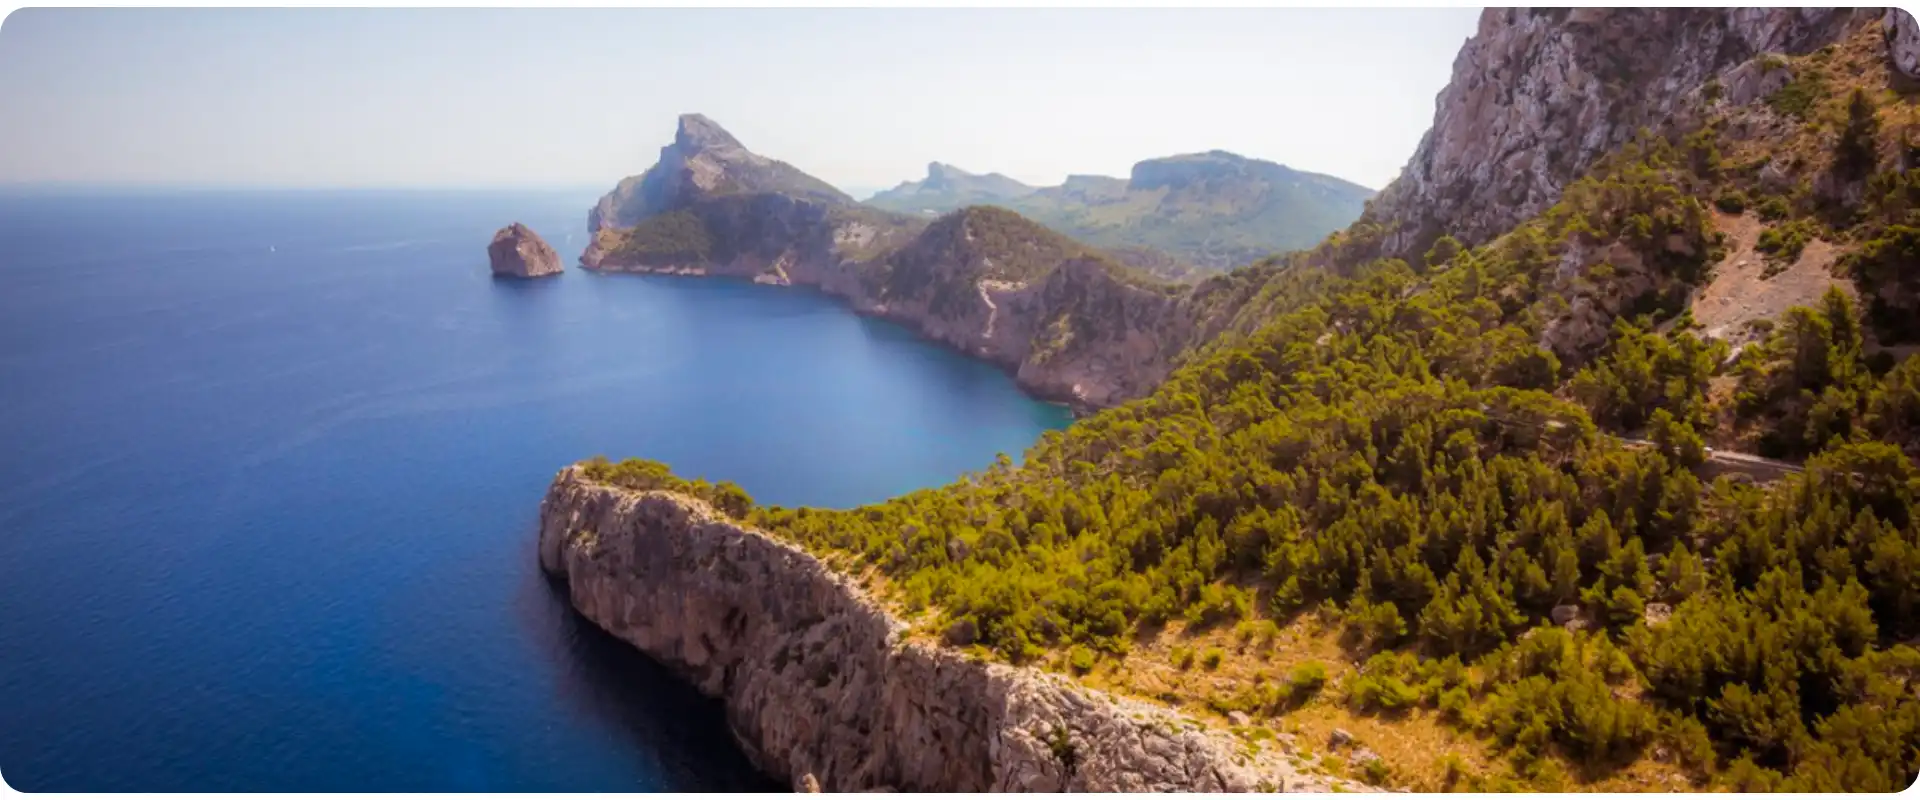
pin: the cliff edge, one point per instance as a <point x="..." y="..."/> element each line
<point x="820" y="681"/>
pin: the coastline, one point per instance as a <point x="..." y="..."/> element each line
<point x="825" y="687"/>
<point x="1078" y="408"/>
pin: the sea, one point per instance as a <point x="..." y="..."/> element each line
<point x="271" y="464"/>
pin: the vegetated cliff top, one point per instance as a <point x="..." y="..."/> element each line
<point x="1395" y="498"/>
<point x="1216" y="210"/>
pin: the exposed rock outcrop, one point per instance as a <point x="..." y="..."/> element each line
<point x="1903" y="44"/>
<point x="518" y="252"/>
<point x="1538" y="96"/>
<point x="823" y="686"/>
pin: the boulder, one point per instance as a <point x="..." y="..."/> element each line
<point x="1538" y="96"/>
<point x="518" y="252"/>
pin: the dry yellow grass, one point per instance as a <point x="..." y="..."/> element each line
<point x="1416" y="746"/>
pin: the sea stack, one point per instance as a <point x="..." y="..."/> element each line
<point x="518" y="252"/>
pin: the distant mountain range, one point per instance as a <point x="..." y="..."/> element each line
<point x="948" y="187"/>
<point x="1216" y="210"/>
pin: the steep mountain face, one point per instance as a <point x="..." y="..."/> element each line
<point x="947" y="188"/>
<point x="704" y="161"/>
<point x="1541" y="100"/>
<point x="1214" y="210"/>
<point x="1538" y="96"/>
<point x="1073" y="323"/>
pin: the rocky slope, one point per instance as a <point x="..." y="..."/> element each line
<point x="1215" y="210"/>
<point x="1072" y="323"/>
<point x="1539" y="96"/>
<point x="517" y="252"/>
<point x="822" y="688"/>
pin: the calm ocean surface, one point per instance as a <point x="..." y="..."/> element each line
<point x="270" y="466"/>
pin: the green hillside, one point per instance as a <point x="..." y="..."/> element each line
<point x="1214" y="210"/>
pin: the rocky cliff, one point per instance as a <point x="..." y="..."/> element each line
<point x="517" y="252"/>
<point x="1071" y="322"/>
<point x="823" y="687"/>
<point x="1538" y="96"/>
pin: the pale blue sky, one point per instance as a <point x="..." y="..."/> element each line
<point x="861" y="98"/>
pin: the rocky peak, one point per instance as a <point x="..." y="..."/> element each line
<point x="939" y="175"/>
<point x="697" y="132"/>
<point x="704" y="161"/>
<point x="1538" y="96"/>
<point x="517" y="252"/>
<point x="947" y="186"/>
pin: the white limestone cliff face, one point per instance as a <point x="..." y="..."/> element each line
<point x="821" y="683"/>
<point x="1538" y="96"/>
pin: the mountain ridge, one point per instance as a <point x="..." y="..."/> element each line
<point x="1214" y="208"/>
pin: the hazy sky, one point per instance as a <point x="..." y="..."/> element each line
<point x="860" y="98"/>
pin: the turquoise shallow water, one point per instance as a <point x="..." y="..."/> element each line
<point x="270" y="466"/>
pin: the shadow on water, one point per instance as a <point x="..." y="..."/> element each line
<point x="544" y="283"/>
<point x="607" y="679"/>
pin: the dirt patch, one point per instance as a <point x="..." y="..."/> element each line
<point x="1740" y="292"/>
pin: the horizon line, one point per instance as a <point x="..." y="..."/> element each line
<point x="71" y="185"/>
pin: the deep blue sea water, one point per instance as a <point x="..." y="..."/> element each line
<point x="270" y="466"/>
